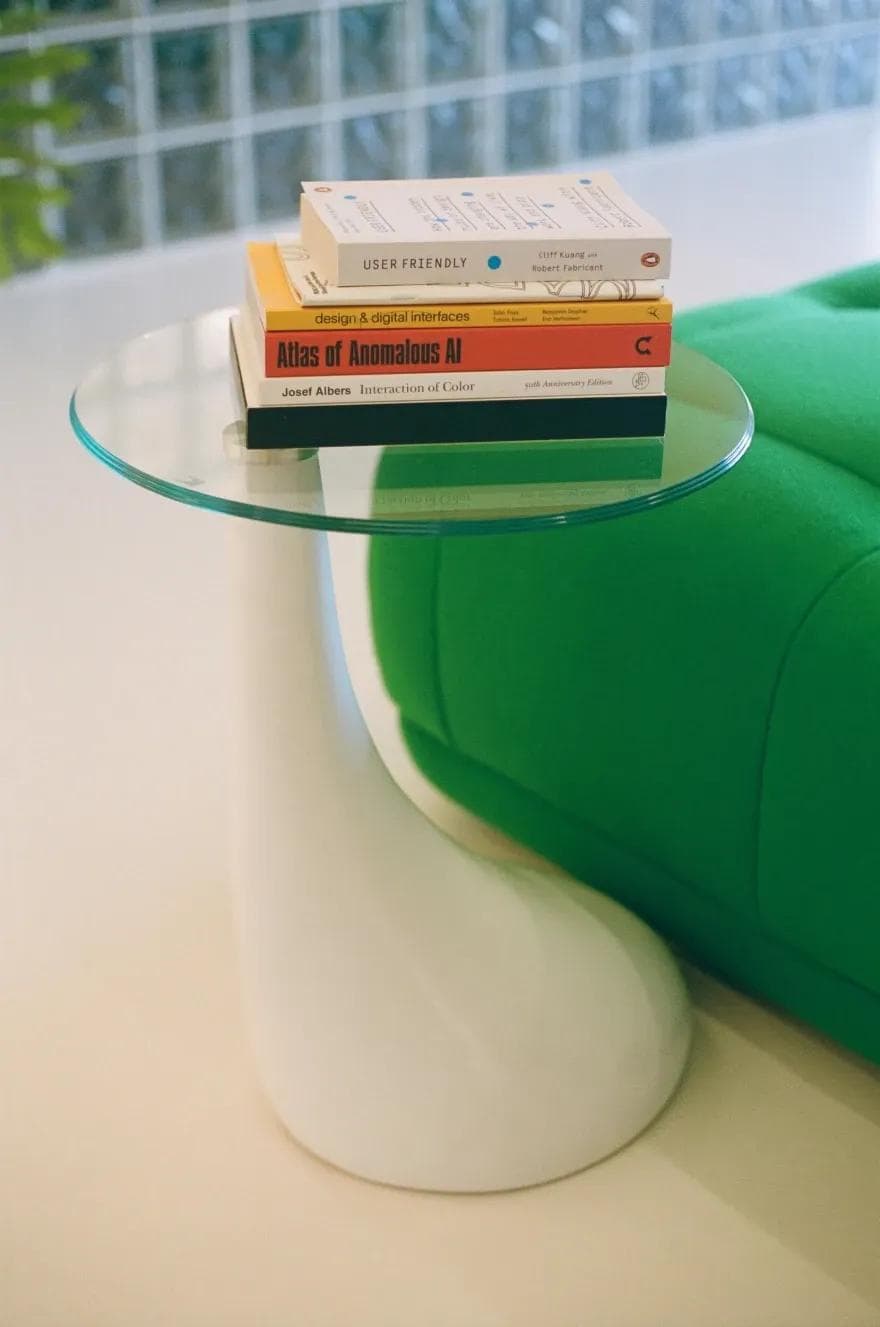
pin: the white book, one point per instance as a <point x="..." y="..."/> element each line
<point x="313" y="289"/>
<point x="508" y="228"/>
<point x="379" y="388"/>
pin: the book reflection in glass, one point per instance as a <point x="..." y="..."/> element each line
<point x="519" y="478"/>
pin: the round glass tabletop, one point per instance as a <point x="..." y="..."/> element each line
<point x="164" y="412"/>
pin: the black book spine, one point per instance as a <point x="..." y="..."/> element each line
<point x="551" y="418"/>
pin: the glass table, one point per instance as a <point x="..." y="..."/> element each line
<point x="421" y="1016"/>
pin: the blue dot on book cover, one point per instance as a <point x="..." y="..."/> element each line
<point x="494" y="262"/>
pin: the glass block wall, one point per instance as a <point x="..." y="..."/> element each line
<point x="201" y="117"/>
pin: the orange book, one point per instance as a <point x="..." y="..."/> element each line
<point x="474" y="349"/>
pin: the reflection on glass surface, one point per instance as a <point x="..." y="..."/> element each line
<point x="163" y="412"/>
<point x="152" y="361"/>
<point x="480" y="480"/>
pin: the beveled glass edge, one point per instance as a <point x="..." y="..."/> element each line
<point x="420" y="526"/>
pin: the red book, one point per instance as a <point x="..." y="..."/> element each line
<point x="619" y="346"/>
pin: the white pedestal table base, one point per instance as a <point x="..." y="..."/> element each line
<point x="421" y="1016"/>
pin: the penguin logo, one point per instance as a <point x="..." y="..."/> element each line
<point x="650" y="259"/>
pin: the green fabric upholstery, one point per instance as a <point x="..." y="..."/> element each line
<point x="683" y="707"/>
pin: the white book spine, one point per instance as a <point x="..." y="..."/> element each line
<point x="312" y="288"/>
<point x="351" y="263"/>
<point x="386" y="387"/>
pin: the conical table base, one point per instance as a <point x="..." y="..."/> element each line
<point x="421" y="1016"/>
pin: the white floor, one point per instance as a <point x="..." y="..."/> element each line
<point x="144" y="1180"/>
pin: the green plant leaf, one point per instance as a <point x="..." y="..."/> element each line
<point x="52" y="61"/>
<point x="35" y="243"/>
<point x="20" y="115"/>
<point x="28" y="179"/>
<point x="17" y="158"/>
<point x="17" y="191"/>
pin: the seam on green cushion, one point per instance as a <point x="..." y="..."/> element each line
<point x="437" y="675"/>
<point x="813" y="455"/>
<point x="719" y="903"/>
<point x="560" y="811"/>
<point x="797" y="630"/>
<point x="565" y="814"/>
<point x="826" y="460"/>
<point x="826" y="288"/>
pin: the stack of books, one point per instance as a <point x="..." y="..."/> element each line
<point x="471" y="310"/>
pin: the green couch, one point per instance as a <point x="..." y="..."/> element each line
<point x="683" y="707"/>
